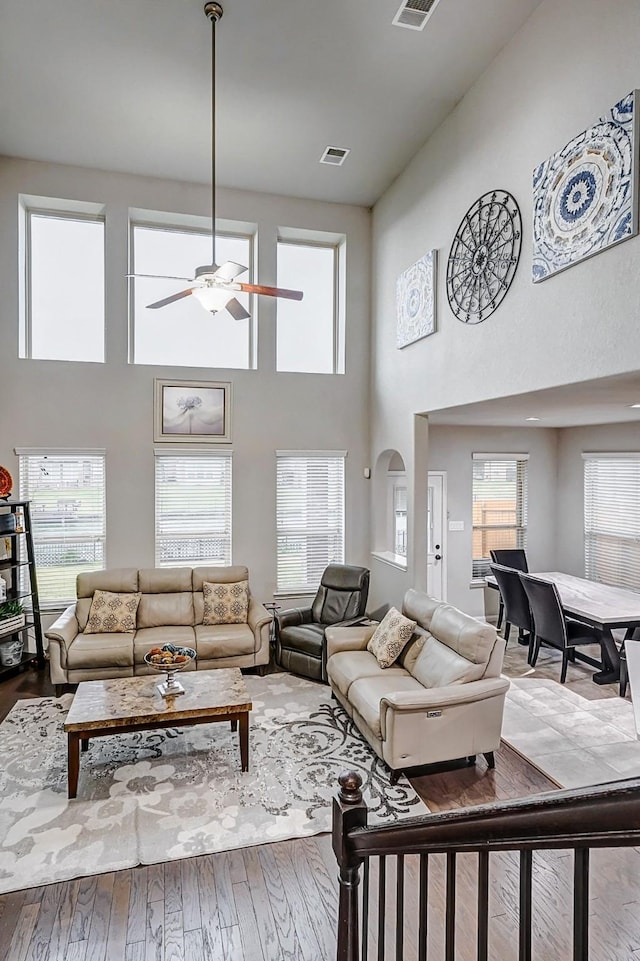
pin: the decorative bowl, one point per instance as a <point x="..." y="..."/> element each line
<point x="168" y="660"/>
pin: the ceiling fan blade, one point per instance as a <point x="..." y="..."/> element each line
<point x="270" y="291"/>
<point x="229" y="271"/>
<point x="161" y="277"/>
<point x="170" y="300"/>
<point x="236" y="310"/>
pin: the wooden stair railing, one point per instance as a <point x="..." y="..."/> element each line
<point x="605" y="816"/>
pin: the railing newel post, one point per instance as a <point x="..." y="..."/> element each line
<point x="349" y="812"/>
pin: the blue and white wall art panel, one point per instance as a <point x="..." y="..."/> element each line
<point x="416" y="301"/>
<point x="585" y="196"/>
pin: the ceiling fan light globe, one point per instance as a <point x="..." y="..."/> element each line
<point x="212" y="298"/>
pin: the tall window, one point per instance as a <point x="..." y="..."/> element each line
<point x="499" y="506"/>
<point x="307" y="329"/>
<point x="64" y="303"/>
<point x="184" y="333"/>
<point x="612" y="519"/>
<point x="193" y="509"/>
<point x="309" y="517"/>
<point x="67" y="494"/>
<point x="400" y="518"/>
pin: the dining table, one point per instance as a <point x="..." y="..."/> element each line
<point x="601" y="606"/>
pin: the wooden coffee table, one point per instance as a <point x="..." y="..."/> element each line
<point x="121" y="705"/>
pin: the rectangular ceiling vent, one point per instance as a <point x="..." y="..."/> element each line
<point x="413" y="14"/>
<point x="334" y="155"/>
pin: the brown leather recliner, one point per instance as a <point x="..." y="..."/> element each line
<point x="341" y="601"/>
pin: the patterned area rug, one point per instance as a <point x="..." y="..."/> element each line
<point x="161" y="795"/>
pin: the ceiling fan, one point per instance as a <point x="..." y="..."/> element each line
<point x="215" y="286"/>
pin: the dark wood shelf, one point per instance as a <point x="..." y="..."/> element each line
<point x="28" y="657"/>
<point x="22" y="558"/>
<point x="10" y="564"/>
<point x="18" y="630"/>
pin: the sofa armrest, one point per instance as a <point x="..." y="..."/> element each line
<point x="348" y="638"/>
<point x="257" y="616"/>
<point x="435" y="697"/>
<point x="293" y="617"/>
<point x="63" y="632"/>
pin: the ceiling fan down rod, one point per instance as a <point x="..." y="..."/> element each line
<point x="213" y="11"/>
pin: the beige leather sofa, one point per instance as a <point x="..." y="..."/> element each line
<point x="170" y="609"/>
<point x="442" y="700"/>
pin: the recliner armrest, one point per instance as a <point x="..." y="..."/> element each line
<point x="293" y="617"/>
<point x="64" y="630"/>
<point x="257" y="616"/>
<point x="435" y="697"/>
<point x="341" y="638"/>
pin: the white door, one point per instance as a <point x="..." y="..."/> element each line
<point x="436" y="534"/>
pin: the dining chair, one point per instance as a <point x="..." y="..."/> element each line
<point x="517" y="612"/>
<point x="515" y="558"/>
<point x="551" y="625"/>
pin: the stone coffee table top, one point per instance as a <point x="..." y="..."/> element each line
<point x="123" y="701"/>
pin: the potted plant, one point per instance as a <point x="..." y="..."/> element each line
<point x="12" y="616"/>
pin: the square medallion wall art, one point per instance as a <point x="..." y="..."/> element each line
<point x="192" y="412"/>
<point x="416" y="301"/>
<point x="584" y="196"/>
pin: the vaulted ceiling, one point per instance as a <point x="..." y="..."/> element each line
<point x="124" y="85"/>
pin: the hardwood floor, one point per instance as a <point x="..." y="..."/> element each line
<point x="278" y="902"/>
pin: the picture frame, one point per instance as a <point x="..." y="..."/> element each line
<point x="416" y="301"/>
<point x="192" y="412"/>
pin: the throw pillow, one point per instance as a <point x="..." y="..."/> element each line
<point x="112" y="613"/>
<point x="226" y="603"/>
<point x="390" y="636"/>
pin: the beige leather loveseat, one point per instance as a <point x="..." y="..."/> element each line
<point x="170" y="608"/>
<point x="442" y="700"/>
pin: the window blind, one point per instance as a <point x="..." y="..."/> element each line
<point x="309" y="518"/>
<point x="67" y="494"/>
<point x="499" y="507"/>
<point x="193" y="509"/>
<point x="612" y="519"/>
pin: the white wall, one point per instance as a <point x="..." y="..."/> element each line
<point x="110" y="405"/>
<point x="569" y="63"/>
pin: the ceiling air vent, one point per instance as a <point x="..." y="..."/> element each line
<point x="335" y="155"/>
<point x="413" y="14"/>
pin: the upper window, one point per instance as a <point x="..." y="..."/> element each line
<point x="64" y="303"/>
<point x="193" y="509"/>
<point x="499" y="506"/>
<point x="612" y="519"/>
<point x="309" y="517"/>
<point x="67" y="494"/>
<point x="307" y="328"/>
<point x="184" y="333"/>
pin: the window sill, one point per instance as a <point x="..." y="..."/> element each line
<point x="476" y="585"/>
<point x="393" y="560"/>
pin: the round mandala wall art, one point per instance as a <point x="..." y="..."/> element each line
<point x="484" y="256"/>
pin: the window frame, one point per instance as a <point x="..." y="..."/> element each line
<point x="80" y="454"/>
<point x="295" y="590"/>
<point x="54" y="209"/>
<point x="185" y="224"/>
<point x="522" y="509"/>
<point x="336" y="243"/>
<point x="193" y="454"/>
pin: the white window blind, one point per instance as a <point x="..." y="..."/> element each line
<point x="193" y="509"/>
<point x="67" y="494"/>
<point x="499" y="506"/>
<point x="612" y="519"/>
<point x="309" y="517"/>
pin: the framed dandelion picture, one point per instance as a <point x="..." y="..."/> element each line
<point x="416" y="301"/>
<point x="192" y="412"/>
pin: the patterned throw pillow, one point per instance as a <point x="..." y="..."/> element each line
<point x="112" y="613"/>
<point x="390" y="636"/>
<point x="226" y="603"/>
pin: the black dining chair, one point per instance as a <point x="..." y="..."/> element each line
<point x="515" y="558"/>
<point x="517" y="612"/>
<point x="551" y="625"/>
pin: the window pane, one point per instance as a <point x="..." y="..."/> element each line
<point x="193" y="510"/>
<point x="184" y="333"/>
<point x="612" y="520"/>
<point x="306" y="328"/>
<point x="310" y="519"/>
<point x="66" y="267"/>
<point x="499" y="509"/>
<point x="67" y="494"/>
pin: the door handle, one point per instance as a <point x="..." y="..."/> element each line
<point x="438" y="557"/>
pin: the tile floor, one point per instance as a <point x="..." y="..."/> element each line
<point x="577" y="733"/>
